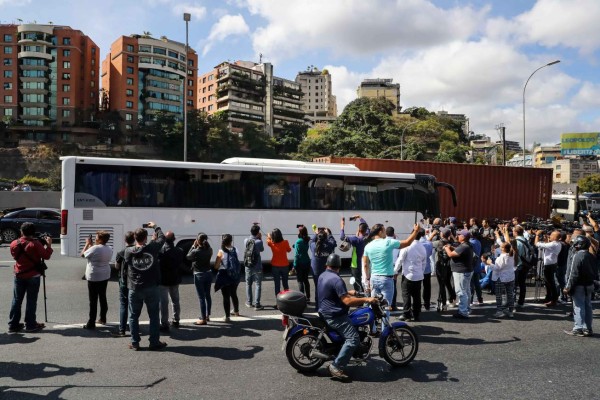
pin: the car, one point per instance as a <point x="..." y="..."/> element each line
<point x="46" y="220"/>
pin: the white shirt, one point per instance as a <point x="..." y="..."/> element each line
<point x="98" y="259"/>
<point x="551" y="250"/>
<point x="412" y="260"/>
<point x="503" y="268"/>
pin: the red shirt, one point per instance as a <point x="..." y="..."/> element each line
<point x="35" y="251"/>
<point x="280" y="251"/>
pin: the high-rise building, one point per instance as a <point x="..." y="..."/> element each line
<point x="48" y="83"/>
<point x="142" y="75"/>
<point x="250" y="94"/>
<point x="318" y="102"/>
<point x="375" y="88"/>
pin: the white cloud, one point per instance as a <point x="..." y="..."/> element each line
<point x="344" y="84"/>
<point x="588" y="96"/>
<point x="197" y="11"/>
<point x="227" y="25"/>
<point x="356" y="27"/>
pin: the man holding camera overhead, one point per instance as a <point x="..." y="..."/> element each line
<point x="28" y="251"/>
<point x="551" y="250"/>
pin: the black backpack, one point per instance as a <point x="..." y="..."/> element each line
<point x="322" y="246"/>
<point x="250" y="255"/>
<point x="530" y="258"/>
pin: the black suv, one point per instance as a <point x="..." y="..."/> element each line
<point x="46" y="220"/>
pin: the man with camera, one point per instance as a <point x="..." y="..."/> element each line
<point x="551" y="250"/>
<point x="28" y="252"/>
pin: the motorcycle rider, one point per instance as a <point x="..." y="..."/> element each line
<point x="335" y="300"/>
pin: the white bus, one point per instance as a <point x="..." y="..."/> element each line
<point x="118" y="195"/>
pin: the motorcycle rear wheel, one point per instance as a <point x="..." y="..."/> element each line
<point x="400" y="354"/>
<point x="297" y="352"/>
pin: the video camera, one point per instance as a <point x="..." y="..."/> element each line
<point x="42" y="237"/>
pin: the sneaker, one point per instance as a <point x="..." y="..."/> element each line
<point x="550" y="304"/>
<point x="89" y="326"/>
<point x="36" y="328"/>
<point x="499" y="314"/>
<point x="200" y="322"/>
<point x="101" y="322"/>
<point x="258" y="307"/>
<point x="15" y="329"/>
<point x="175" y="324"/>
<point x="120" y="334"/>
<point x="337" y="373"/>
<point x="588" y="333"/>
<point x="445" y="307"/>
<point x="157" y="347"/>
<point x="248" y="305"/>
<point x="510" y="314"/>
<point x="227" y="319"/>
<point x="404" y="317"/>
<point x="235" y="313"/>
<point x="134" y="346"/>
<point x="575" y="332"/>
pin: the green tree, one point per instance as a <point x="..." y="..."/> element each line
<point x="590" y="184"/>
<point x="290" y="138"/>
<point x="257" y="143"/>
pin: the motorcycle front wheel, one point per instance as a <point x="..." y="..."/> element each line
<point x="298" y="350"/>
<point x="399" y="354"/>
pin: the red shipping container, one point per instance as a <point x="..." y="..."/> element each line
<point x="482" y="191"/>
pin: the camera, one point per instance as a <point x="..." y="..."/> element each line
<point x="145" y="226"/>
<point x="353" y="218"/>
<point x="42" y="237"/>
<point x="299" y="226"/>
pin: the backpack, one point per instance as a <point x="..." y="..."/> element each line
<point x="233" y="264"/>
<point x="530" y="257"/>
<point x="250" y="255"/>
<point x="321" y="247"/>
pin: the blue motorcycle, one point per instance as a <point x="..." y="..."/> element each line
<point x="308" y="341"/>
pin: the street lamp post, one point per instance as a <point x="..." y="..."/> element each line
<point x="525" y="87"/>
<point x="186" y="17"/>
<point x="402" y="139"/>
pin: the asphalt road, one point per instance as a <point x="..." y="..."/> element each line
<point x="528" y="357"/>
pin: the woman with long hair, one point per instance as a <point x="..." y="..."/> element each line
<point x="503" y="274"/>
<point x="302" y="261"/>
<point x="279" y="263"/>
<point x="228" y="267"/>
<point x="97" y="273"/>
<point x="200" y="254"/>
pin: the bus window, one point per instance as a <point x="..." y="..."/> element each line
<point x="157" y="187"/>
<point x="326" y="193"/>
<point x="424" y="198"/>
<point x="394" y="196"/>
<point x="360" y="195"/>
<point x="281" y="191"/>
<point x="101" y="185"/>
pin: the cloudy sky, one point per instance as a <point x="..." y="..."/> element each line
<point x="470" y="57"/>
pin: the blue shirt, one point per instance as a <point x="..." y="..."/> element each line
<point x="429" y="249"/>
<point x="476" y="245"/>
<point x="330" y="289"/>
<point x="381" y="255"/>
<point x="358" y="242"/>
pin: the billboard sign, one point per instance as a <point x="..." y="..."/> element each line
<point x="580" y="144"/>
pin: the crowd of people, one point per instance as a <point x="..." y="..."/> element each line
<point x="464" y="260"/>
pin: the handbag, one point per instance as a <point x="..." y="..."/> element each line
<point x="345" y="245"/>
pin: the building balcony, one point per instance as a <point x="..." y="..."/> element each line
<point x="24" y="117"/>
<point x="34" y="54"/>
<point x="39" y="39"/>
<point x="33" y="104"/>
<point x="34" y="91"/>
<point x="33" y="79"/>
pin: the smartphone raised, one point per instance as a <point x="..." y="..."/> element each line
<point x="145" y="225"/>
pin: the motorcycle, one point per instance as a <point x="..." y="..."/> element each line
<point x="308" y="341"/>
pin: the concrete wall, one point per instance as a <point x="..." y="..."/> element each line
<point x="29" y="199"/>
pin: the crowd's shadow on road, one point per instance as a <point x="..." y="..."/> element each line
<point x="441" y="336"/>
<point x="9" y="338"/>
<point x="223" y="353"/>
<point x="28" y="371"/>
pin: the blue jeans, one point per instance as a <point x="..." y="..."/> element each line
<point x="344" y="327"/>
<point x="203" y="281"/>
<point x="462" y="285"/>
<point x="582" y="307"/>
<point x="137" y="298"/>
<point x="280" y="273"/>
<point x="255" y="276"/>
<point x="384" y="285"/>
<point x="22" y="287"/>
<point x="124" y="306"/>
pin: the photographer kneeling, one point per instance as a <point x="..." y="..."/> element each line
<point x="28" y="252"/>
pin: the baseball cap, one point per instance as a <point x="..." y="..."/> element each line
<point x="465" y="233"/>
<point x="452" y="220"/>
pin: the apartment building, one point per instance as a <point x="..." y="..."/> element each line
<point x="543" y="156"/>
<point x="249" y="93"/>
<point x="318" y="103"/>
<point x="375" y="88"/>
<point x="571" y="170"/>
<point x="142" y="76"/>
<point x="48" y="83"/>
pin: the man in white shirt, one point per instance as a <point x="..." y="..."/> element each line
<point x="412" y="261"/>
<point x="551" y="250"/>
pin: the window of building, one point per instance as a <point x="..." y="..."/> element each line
<point x="204" y="99"/>
<point x="190" y="103"/>
<point x="159" y="50"/>
<point x="203" y="90"/>
<point x="8" y="50"/>
<point x="66" y="88"/>
<point x="128" y="127"/>
<point x="92" y="84"/>
<point x="66" y="76"/>
<point x="93" y="51"/>
<point x="557" y="166"/>
<point x="191" y="63"/>
<point x="204" y="80"/>
<point x="8" y="74"/>
<point x="66" y="113"/>
<point x="210" y="107"/>
<point x="211" y="77"/>
<point x="190" y="92"/>
<point x="8" y="61"/>
<point x="66" y="101"/>
<point x="130" y="59"/>
<point x="129" y="92"/>
<point x="128" y="117"/>
<point x="7" y="38"/>
<point x="7" y="85"/>
<point x="190" y="82"/>
<point x="129" y="104"/>
<point x="66" y="41"/>
<point x="8" y="112"/>
<point x="144" y="48"/>
<point x="8" y="99"/>
<point x="66" y="64"/>
<point x="129" y="47"/>
<point x="130" y="81"/>
<point x="173" y="54"/>
<point x="93" y="72"/>
<point x="66" y="52"/>
<point x="130" y="70"/>
<point x="210" y="88"/>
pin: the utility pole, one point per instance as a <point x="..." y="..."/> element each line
<point x="502" y="133"/>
